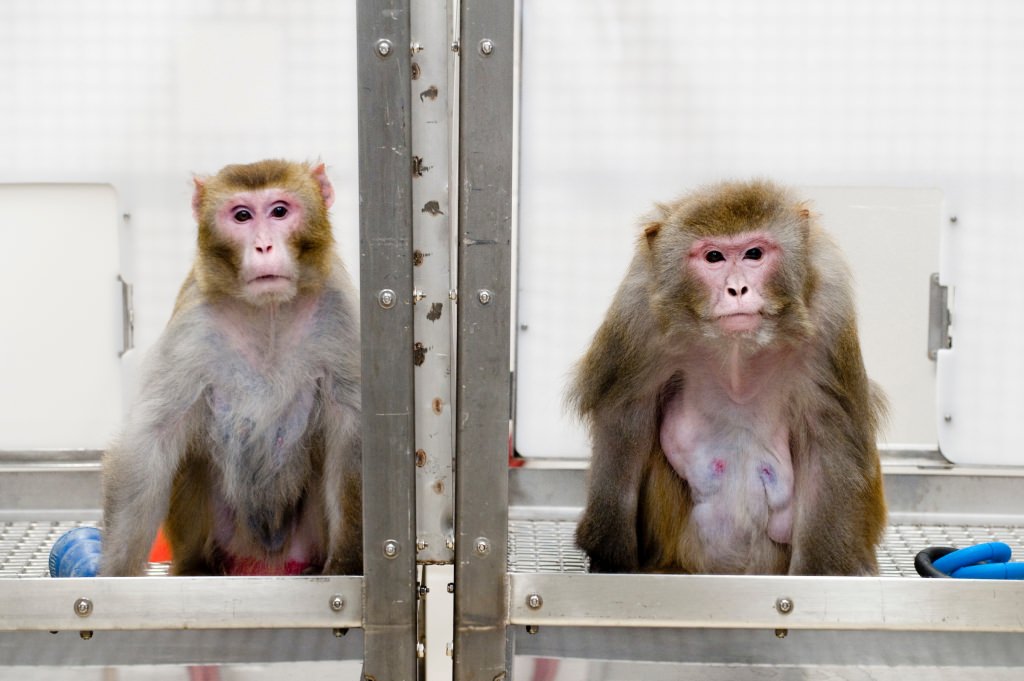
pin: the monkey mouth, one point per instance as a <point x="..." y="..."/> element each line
<point x="739" y="321"/>
<point x="269" y="278"/>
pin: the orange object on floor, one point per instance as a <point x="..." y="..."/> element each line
<point x="160" y="552"/>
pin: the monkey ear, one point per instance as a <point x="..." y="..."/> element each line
<point x="326" y="188"/>
<point x="651" y="230"/>
<point x="197" y="195"/>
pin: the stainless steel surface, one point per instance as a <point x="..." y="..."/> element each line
<point x="483" y="339"/>
<point x="127" y="316"/>
<point x="386" y="263"/>
<point x="434" y="315"/>
<point x="103" y="603"/>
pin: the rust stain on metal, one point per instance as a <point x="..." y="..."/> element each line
<point x="432" y="207"/>
<point x="417" y="257"/>
<point x="435" y="311"/>
<point x="415" y="71"/>
<point x="419" y="167"/>
<point x="438" y="406"/>
<point x="421" y="458"/>
<point x="429" y="93"/>
<point x="439" y="486"/>
<point x="419" y="354"/>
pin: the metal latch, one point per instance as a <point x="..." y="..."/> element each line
<point x="938" y="318"/>
<point x="128" y="316"/>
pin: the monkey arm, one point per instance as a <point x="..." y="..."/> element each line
<point x="342" y="492"/>
<point x="139" y="470"/>
<point x="840" y="514"/>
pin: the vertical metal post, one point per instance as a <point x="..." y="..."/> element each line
<point x="484" y="318"/>
<point x="385" y="222"/>
<point x="432" y="278"/>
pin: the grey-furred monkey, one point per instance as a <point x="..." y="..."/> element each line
<point x="245" y="438"/>
<point x="732" y="423"/>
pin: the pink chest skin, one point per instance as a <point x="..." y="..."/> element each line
<point x="725" y="433"/>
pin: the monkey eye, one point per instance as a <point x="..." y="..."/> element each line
<point x="279" y="211"/>
<point x="714" y="256"/>
<point x="753" y="254"/>
<point x="242" y="215"/>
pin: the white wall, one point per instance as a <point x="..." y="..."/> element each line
<point x="141" y="95"/>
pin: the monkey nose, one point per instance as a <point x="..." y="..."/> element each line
<point x="736" y="292"/>
<point x="264" y="249"/>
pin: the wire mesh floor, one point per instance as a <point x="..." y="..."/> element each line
<point x="548" y="545"/>
<point x="534" y="545"/>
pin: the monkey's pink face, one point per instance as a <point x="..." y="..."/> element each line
<point x="735" y="271"/>
<point x="260" y="224"/>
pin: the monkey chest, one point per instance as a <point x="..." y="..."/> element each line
<point x="737" y="464"/>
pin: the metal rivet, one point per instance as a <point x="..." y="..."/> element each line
<point x="387" y="298"/>
<point x="421" y="650"/>
<point x="532" y="629"/>
<point x="383" y="48"/>
<point x="449" y="648"/>
<point x="86" y="635"/>
<point x="534" y="601"/>
<point x="453" y="294"/>
<point x="482" y="546"/>
<point x="486" y="47"/>
<point x="83" y="607"/>
<point x="421" y="545"/>
<point x="784" y="605"/>
<point x="337" y="602"/>
<point x="781" y="633"/>
<point x="451" y="587"/>
<point x="390" y="548"/>
<point x="484" y="296"/>
<point x="418" y="295"/>
<point x="449" y="543"/>
<point x="455" y="46"/>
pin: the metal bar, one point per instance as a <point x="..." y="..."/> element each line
<point x="748" y="602"/>
<point x="432" y="278"/>
<point x="485" y="184"/>
<point x="385" y="222"/>
<point x="103" y="603"/>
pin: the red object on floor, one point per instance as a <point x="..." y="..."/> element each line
<point x="160" y="552"/>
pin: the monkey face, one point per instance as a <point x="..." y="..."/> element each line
<point x="260" y="225"/>
<point x="735" y="272"/>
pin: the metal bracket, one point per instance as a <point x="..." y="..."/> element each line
<point x="128" y="315"/>
<point x="938" y="318"/>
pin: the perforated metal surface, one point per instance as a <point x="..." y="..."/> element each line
<point x="25" y="547"/>
<point x="548" y="546"/>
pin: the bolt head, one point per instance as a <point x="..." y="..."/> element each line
<point x="482" y="546"/>
<point x="486" y="47"/>
<point x="383" y="48"/>
<point x="391" y="548"/>
<point x="484" y="296"/>
<point x="83" y="607"/>
<point x="337" y="602"/>
<point x="387" y="298"/>
<point x="784" y="605"/>
<point x="534" y="601"/>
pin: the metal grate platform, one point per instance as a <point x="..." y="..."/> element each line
<point x="25" y="547"/>
<point x="547" y="546"/>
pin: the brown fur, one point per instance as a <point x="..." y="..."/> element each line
<point x="637" y="511"/>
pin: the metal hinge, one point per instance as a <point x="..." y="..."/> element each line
<point x="938" y="318"/>
<point x="128" y="316"/>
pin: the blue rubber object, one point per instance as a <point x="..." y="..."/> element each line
<point x="993" y="552"/>
<point x="991" y="571"/>
<point x="76" y="553"/>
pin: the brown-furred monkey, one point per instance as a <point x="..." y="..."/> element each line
<point x="732" y="423"/>
<point x="245" y="439"/>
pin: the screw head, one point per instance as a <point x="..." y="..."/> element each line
<point x="781" y="633"/>
<point x="784" y="605"/>
<point x="486" y="47"/>
<point x="482" y="546"/>
<point x="83" y="607"/>
<point x="337" y="602"/>
<point x="484" y="296"/>
<point x="387" y="298"/>
<point x="383" y="48"/>
<point x="534" y="601"/>
<point x="391" y="548"/>
<point x="532" y="629"/>
<point x="421" y="545"/>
